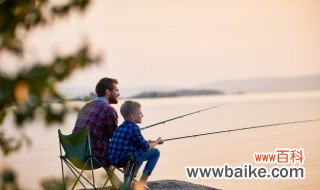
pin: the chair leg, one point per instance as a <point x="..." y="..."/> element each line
<point x="64" y="183"/>
<point x="94" y="184"/>
<point x="128" y="176"/>
<point x="111" y="177"/>
<point x="78" y="179"/>
<point x="73" y="170"/>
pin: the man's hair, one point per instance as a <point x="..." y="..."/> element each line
<point x="128" y="108"/>
<point x="104" y="84"/>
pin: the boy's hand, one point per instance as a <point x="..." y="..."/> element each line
<point x="153" y="144"/>
<point x="159" y="141"/>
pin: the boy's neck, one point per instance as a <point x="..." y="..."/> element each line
<point x="131" y="121"/>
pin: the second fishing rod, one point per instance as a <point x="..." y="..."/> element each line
<point x="181" y="116"/>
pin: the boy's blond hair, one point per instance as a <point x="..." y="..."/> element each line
<point x="128" y="108"/>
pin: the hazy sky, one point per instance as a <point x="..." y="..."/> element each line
<point x="188" y="42"/>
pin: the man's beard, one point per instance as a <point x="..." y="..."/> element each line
<point x="113" y="99"/>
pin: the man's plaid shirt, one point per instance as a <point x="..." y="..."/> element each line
<point x="126" y="139"/>
<point x="102" y="119"/>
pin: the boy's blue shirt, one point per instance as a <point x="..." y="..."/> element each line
<point x="126" y="139"/>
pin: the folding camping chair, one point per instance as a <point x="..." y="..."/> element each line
<point x="78" y="157"/>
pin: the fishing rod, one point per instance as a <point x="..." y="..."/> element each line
<point x="181" y="116"/>
<point x="240" y="129"/>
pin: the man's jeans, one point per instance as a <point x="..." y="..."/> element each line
<point x="151" y="156"/>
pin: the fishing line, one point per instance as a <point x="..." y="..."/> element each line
<point x="240" y="129"/>
<point x="181" y="116"/>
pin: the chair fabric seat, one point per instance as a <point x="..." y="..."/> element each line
<point x="77" y="149"/>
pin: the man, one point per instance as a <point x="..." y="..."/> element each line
<point x="100" y="117"/>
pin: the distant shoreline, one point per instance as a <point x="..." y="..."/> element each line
<point x="177" y="93"/>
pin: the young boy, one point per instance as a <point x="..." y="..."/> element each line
<point x="128" y="139"/>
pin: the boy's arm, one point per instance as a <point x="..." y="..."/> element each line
<point x="138" y="139"/>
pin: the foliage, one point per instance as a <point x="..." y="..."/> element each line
<point x="8" y="180"/>
<point x="55" y="184"/>
<point x="34" y="91"/>
<point x="36" y="87"/>
<point x="8" y="144"/>
<point x="24" y="15"/>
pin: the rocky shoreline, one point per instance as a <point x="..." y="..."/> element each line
<point x="176" y="185"/>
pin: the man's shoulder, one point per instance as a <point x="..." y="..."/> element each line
<point x="103" y="106"/>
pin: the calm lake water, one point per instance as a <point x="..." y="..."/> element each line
<point x="236" y="148"/>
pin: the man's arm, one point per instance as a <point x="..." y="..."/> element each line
<point x="111" y="121"/>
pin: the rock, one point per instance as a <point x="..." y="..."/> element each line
<point x="174" y="184"/>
